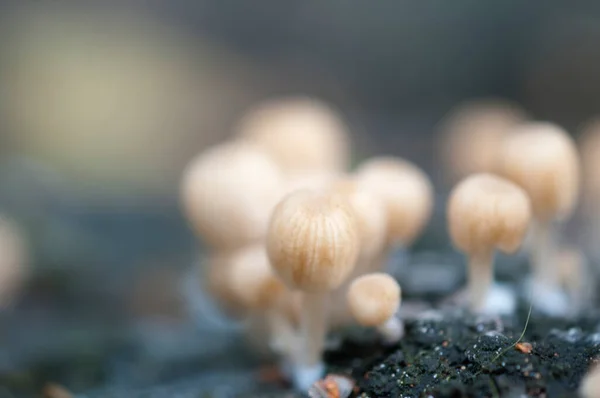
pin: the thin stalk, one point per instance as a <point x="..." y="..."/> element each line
<point x="481" y="276"/>
<point x="313" y="328"/>
<point x="543" y="255"/>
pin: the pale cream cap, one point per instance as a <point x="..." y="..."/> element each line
<point x="312" y="241"/>
<point x="229" y="192"/>
<point x="373" y="298"/>
<point x="543" y="160"/>
<point x="487" y="212"/>
<point x="406" y="192"/>
<point x="300" y="133"/>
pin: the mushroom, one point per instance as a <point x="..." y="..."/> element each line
<point x="472" y="134"/>
<point x="407" y="195"/>
<point x="312" y="243"/>
<point x="301" y="134"/>
<point x="486" y="212"/>
<point x="543" y="160"/>
<point x="254" y="284"/>
<point x="371" y="221"/>
<point x="374" y="300"/>
<point x="590" y="385"/>
<point x="229" y="192"/>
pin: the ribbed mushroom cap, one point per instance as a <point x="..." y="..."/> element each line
<point x="370" y="213"/>
<point x="229" y="192"/>
<point x="543" y="160"/>
<point x="590" y="385"/>
<point x="301" y="134"/>
<point x="406" y="192"/>
<point x="252" y="279"/>
<point x="373" y="298"/>
<point x="486" y="212"/>
<point x="473" y="133"/>
<point x="312" y="241"/>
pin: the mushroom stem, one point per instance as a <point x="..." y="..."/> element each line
<point x="543" y="254"/>
<point x="283" y="336"/>
<point x="481" y="276"/>
<point x="391" y="330"/>
<point x="314" y="328"/>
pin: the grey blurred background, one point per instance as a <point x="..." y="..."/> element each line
<point x="102" y="105"/>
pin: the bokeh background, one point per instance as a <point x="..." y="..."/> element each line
<point x="103" y="104"/>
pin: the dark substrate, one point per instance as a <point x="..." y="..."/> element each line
<point x="459" y="355"/>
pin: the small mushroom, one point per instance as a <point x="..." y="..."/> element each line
<point x="302" y="134"/>
<point x="472" y="134"/>
<point x="229" y="192"/>
<point x="486" y="212"/>
<point x="407" y="195"/>
<point x="543" y="160"/>
<point x="374" y="300"/>
<point x="312" y="243"/>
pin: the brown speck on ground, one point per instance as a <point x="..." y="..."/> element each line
<point x="52" y="390"/>
<point x="525" y="348"/>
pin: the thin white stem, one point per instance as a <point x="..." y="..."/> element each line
<point x="481" y="276"/>
<point x="543" y="254"/>
<point x="392" y="330"/>
<point x="283" y="338"/>
<point x="314" y="328"/>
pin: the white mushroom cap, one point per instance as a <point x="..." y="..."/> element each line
<point x="486" y="211"/>
<point x="312" y="241"/>
<point x="473" y="133"/>
<point x="406" y="192"/>
<point x="301" y="134"/>
<point x="543" y="160"/>
<point x="229" y="192"/>
<point x="373" y="298"/>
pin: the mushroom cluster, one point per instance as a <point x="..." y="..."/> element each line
<point x="298" y="243"/>
<point x="295" y="238"/>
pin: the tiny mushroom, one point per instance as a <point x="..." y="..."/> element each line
<point x="229" y="192"/>
<point x="486" y="212"/>
<point x="407" y="195"/>
<point x="312" y="243"/>
<point x="472" y="133"/>
<point x="374" y="300"/>
<point x="302" y="134"/>
<point x="543" y="160"/>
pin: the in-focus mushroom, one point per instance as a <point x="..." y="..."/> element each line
<point x="471" y="135"/>
<point x="486" y="212"/>
<point x="302" y="134"/>
<point x="407" y="195"/>
<point x="543" y="160"/>
<point x="312" y="243"/>
<point x="229" y="192"/>
<point x="374" y="300"/>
